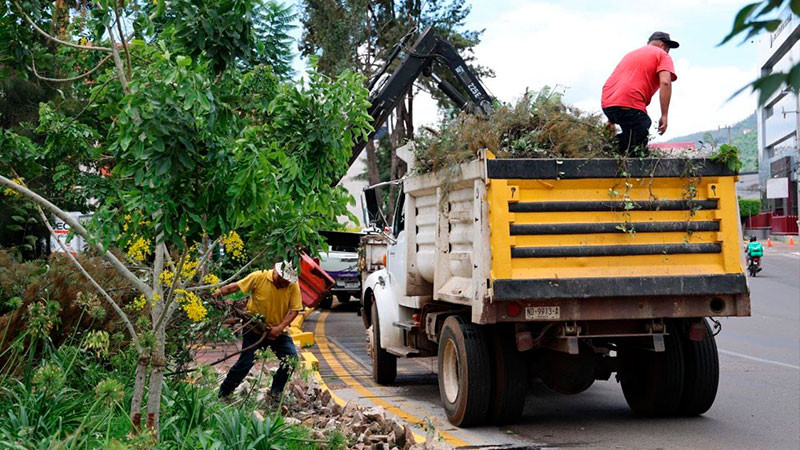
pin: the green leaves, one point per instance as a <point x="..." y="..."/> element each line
<point x="728" y="155"/>
<point x="753" y="19"/>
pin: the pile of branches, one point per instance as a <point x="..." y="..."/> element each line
<point x="539" y="125"/>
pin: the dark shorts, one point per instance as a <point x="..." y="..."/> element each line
<point x="635" y="125"/>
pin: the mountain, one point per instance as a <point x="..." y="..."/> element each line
<point x="743" y="134"/>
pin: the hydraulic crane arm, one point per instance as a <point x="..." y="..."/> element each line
<point x="419" y="60"/>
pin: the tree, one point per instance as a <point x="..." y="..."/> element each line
<point x="190" y="138"/>
<point x="359" y="35"/>
<point x="754" y="19"/>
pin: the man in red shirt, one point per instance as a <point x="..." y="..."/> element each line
<point x="630" y="87"/>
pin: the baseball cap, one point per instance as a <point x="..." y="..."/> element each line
<point x="663" y="37"/>
<point x="286" y="271"/>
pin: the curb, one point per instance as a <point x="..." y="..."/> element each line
<point x="295" y="329"/>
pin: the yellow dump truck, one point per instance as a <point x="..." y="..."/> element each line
<point x="562" y="270"/>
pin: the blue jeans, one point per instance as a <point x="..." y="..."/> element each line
<point x="635" y="125"/>
<point x="283" y="346"/>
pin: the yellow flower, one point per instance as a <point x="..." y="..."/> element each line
<point x="192" y="304"/>
<point x="210" y="279"/>
<point x="166" y="278"/>
<point x="140" y="249"/>
<point x="195" y="311"/>
<point x="233" y="245"/>
<point x="189" y="269"/>
<point x="139" y="303"/>
<point x="11" y="192"/>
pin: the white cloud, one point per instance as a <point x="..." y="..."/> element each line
<point x="537" y="44"/>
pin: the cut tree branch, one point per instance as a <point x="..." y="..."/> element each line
<point x="78" y="228"/>
<point x="231" y="278"/>
<point x="54" y="39"/>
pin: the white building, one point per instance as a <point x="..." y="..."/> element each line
<point x="779" y="130"/>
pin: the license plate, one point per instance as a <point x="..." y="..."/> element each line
<point x="542" y="312"/>
<point x="352" y="285"/>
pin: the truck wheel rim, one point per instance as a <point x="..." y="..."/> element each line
<point x="450" y="371"/>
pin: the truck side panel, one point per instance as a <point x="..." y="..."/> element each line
<point x="652" y="231"/>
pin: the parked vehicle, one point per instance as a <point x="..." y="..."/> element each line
<point x="341" y="263"/>
<point x="507" y="270"/>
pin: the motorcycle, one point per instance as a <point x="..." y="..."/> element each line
<point x="754" y="266"/>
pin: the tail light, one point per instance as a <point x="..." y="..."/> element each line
<point x="513" y="309"/>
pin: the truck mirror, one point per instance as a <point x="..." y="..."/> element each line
<point x="372" y="211"/>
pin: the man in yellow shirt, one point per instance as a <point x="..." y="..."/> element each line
<point x="275" y="295"/>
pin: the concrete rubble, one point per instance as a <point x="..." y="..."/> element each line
<point x="306" y="403"/>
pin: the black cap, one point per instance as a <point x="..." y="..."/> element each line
<point x="663" y="37"/>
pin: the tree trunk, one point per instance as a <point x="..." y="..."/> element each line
<point x="156" y="381"/>
<point x="158" y="361"/>
<point x="138" y="391"/>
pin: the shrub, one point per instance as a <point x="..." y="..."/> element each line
<point x="749" y="207"/>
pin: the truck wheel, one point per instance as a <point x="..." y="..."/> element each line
<point x="326" y="302"/>
<point x="509" y="380"/>
<point x="701" y="365"/>
<point x="343" y="298"/>
<point x="384" y="364"/>
<point x="653" y="381"/>
<point x="464" y="374"/>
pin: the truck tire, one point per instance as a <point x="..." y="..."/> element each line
<point x="701" y="365"/>
<point x="384" y="364"/>
<point x="509" y="378"/>
<point x="326" y="302"/>
<point x="653" y="381"/>
<point x="464" y="372"/>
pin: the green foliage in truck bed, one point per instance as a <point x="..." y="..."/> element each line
<point x="538" y="125"/>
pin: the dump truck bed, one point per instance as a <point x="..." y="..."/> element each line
<point x="579" y="239"/>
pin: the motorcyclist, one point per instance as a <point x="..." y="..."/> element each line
<point x="754" y="249"/>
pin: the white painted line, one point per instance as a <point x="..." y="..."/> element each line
<point x="753" y="358"/>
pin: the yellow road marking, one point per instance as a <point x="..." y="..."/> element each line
<point x="341" y="372"/>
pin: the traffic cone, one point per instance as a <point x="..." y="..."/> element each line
<point x="791" y="240"/>
<point x="769" y="242"/>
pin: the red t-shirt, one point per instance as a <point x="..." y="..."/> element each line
<point x="635" y="80"/>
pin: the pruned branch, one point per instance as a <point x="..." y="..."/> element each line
<point x="54" y="39"/>
<point x="78" y="228"/>
<point x="114" y="305"/>
<point x="61" y="80"/>
<point x="231" y="278"/>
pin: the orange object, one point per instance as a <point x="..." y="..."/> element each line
<point x="791" y="240"/>
<point x="315" y="283"/>
<point x="769" y="242"/>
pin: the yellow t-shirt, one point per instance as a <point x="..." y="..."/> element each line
<point x="267" y="300"/>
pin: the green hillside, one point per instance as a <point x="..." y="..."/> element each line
<point x="743" y="135"/>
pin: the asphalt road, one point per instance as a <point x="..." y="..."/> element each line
<point x="757" y="406"/>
